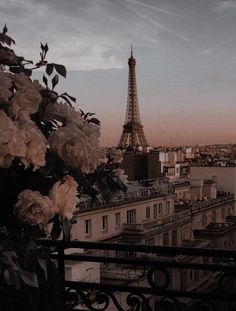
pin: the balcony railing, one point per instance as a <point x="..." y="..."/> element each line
<point x="205" y="204"/>
<point x="132" y="227"/>
<point x="144" y="193"/>
<point x="138" y="277"/>
<point x="154" y="223"/>
<point x="209" y="203"/>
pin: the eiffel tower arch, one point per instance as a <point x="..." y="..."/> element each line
<point x="132" y="134"/>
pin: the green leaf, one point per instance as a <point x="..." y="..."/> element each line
<point x="70" y="97"/>
<point x="9" y="259"/>
<point x="27" y="72"/>
<point x="42" y="264"/>
<point x="82" y="112"/>
<point x="55" y="81"/>
<point x="12" y="278"/>
<point x="45" y="80"/>
<point x="56" y="229"/>
<point x="66" y="99"/>
<point x="95" y="121"/>
<point x="15" y="69"/>
<point x="6" y="39"/>
<point x="60" y="69"/>
<point x="46" y="48"/>
<point x="5" y="29"/>
<point x="66" y="225"/>
<point x="89" y="114"/>
<point x="29" y="278"/>
<point x="49" y="69"/>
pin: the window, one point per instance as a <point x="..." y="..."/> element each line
<point x="105" y="252"/>
<point x="225" y="244"/>
<point x="155" y="211"/>
<point x="131" y="216"/>
<point x="150" y="241"/>
<point x="129" y="253"/>
<point x="174" y="238"/>
<point x="104" y="223"/>
<point x="229" y="212"/>
<point x="88" y="227"/>
<point x="160" y="208"/>
<point x="167" y="207"/>
<point x="117" y="219"/>
<point x="223" y="214"/>
<point x="204" y="220"/>
<point x="183" y="280"/>
<point x="196" y="275"/>
<point x="166" y="239"/>
<point x="191" y="274"/>
<point x="205" y="262"/>
<point x="144" y="193"/>
<point x="148" y="212"/>
<point x="214" y="215"/>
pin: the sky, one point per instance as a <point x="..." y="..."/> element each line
<point x="185" y="52"/>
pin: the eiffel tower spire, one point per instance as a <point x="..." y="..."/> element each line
<point x="132" y="134"/>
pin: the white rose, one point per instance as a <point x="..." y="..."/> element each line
<point x="36" y="144"/>
<point x="21" y="80"/>
<point x="78" y="148"/>
<point x="115" y="155"/>
<point x="64" y="113"/>
<point x="34" y="208"/>
<point x="8" y="57"/>
<point x="37" y="86"/>
<point x="12" y="141"/>
<point x="5" y="85"/>
<point x="26" y="98"/>
<point x="121" y="174"/>
<point x="64" y="197"/>
<point x="5" y="161"/>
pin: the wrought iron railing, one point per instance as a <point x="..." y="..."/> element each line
<point x="214" y="202"/>
<point x="156" y="222"/>
<point x="143" y="193"/>
<point x="206" y="204"/>
<point x="138" y="277"/>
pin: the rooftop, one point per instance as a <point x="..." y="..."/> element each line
<point x="195" y="207"/>
<point x="215" y="229"/>
<point x="137" y="191"/>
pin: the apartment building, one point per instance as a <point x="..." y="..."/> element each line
<point x="193" y="212"/>
<point x="161" y="213"/>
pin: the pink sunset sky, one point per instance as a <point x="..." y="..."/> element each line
<point x="185" y="52"/>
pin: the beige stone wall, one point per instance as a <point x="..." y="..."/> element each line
<point x="97" y="233"/>
<point x="183" y="193"/>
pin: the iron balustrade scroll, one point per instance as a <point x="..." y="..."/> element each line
<point x="140" y="277"/>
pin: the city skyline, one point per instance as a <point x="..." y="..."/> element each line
<point x="186" y="65"/>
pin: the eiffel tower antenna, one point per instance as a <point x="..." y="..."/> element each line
<point x="132" y="134"/>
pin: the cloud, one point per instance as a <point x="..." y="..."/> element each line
<point x="73" y="30"/>
<point x="152" y="7"/>
<point x="225" y="5"/>
<point x="218" y="45"/>
<point x="155" y="23"/>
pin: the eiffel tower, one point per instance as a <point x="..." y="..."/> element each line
<point x="132" y="134"/>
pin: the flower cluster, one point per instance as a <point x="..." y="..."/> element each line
<point x="77" y="143"/>
<point x="19" y="136"/>
<point x="42" y="133"/>
<point x="37" y="130"/>
<point x="35" y="209"/>
<point x="49" y="155"/>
